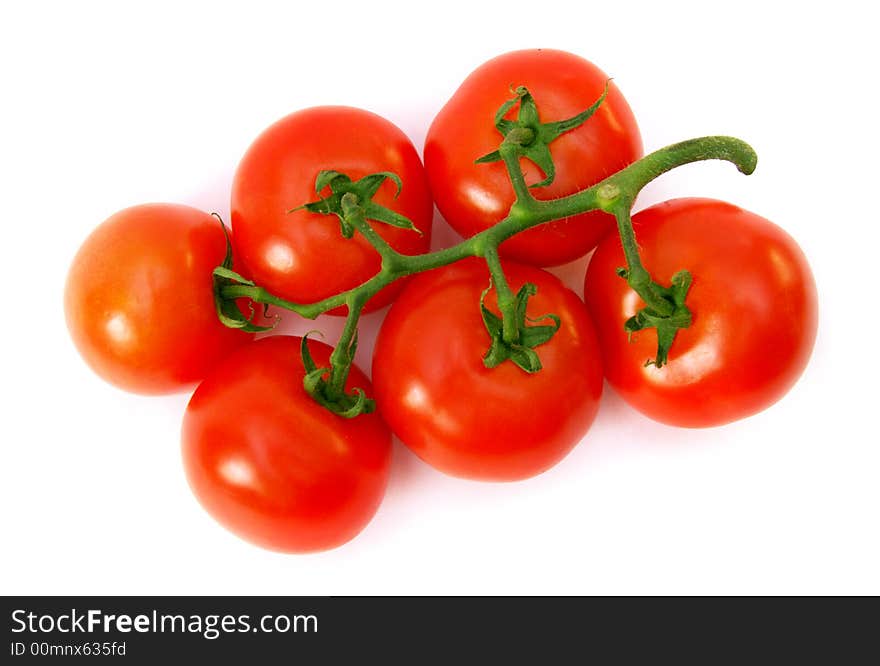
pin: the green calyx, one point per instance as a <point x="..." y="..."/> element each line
<point x="671" y="315"/>
<point x="528" y="137"/>
<point x="348" y="197"/>
<point x="521" y="349"/>
<point x="228" y="311"/>
<point x="326" y="388"/>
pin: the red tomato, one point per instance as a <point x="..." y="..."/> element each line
<point x="302" y="256"/>
<point x="139" y="298"/>
<point x="466" y="420"/>
<point x="271" y="464"/>
<point x="472" y="197"/>
<point x="754" y="309"/>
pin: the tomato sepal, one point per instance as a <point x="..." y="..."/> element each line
<point x="520" y="351"/>
<point x="667" y="325"/>
<point x="316" y="384"/>
<point x="528" y="137"/>
<point x="229" y="312"/>
<point x="347" y="195"/>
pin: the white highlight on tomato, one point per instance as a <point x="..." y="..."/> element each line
<point x="119" y="330"/>
<point x="280" y="257"/>
<point x="417" y="399"/>
<point x="631" y="303"/>
<point x="788" y="274"/>
<point x="484" y="200"/>
<point x="237" y="472"/>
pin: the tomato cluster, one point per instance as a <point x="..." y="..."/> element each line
<point x="283" y="471"/>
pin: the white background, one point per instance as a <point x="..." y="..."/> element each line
<point x="112" y="104"/>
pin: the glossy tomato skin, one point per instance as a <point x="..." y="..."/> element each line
<point x="473" y="197"/>
<point x="302" y="256"/>
<point x="139" y="299"/>
<point x="469" y="421"/>
<point x="272" y="465"/>
<point x="754" y="307"/>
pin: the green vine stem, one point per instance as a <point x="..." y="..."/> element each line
<point x="510" y="331"/>
<point x="351" y="202"/>
<point x="611" y="194"/>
